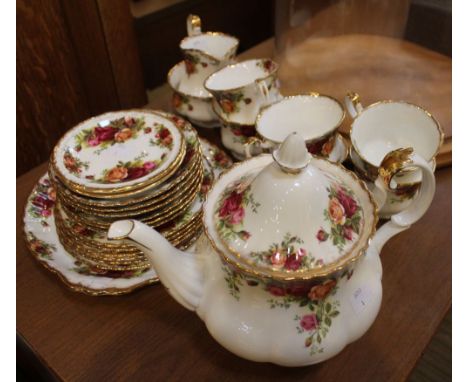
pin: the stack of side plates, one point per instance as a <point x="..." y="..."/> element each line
<point x="136" y="164"/>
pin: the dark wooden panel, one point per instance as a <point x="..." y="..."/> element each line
<point x="84" y="25"/>
<point x="117" y="24"/>
<point x="159" y="34"/>
<point x="74" y="59"/>
<point x="49" y="97"/>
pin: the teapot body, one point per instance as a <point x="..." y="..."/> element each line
<point x="266" y="323"/>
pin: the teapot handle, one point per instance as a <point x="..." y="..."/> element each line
<point x="193" y="25"/>
<point x="393" y="163"/>
<point x="353" y="104"/>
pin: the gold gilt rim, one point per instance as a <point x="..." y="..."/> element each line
<point x="329" y="132"/>
<point x="151" y="211"/>
<point x="118" y="191"/>
<point x="231" y="50"/>
<point x="93" y="255"/>
<point x="184" y="246"/>
<point x="210" y="150"/>
<point x="324" y="271"/>
<point x="153" y="221"/>
<point x="438" y="126"/>
<point x="78" y="287"/>
<point x="170" y="75"/>
<point x="147" y="207"/>
<point x="104" y="245"/>
<point x="187" y="232"/>
<point x="273" y="73"/>
<point x="160" y="193"/>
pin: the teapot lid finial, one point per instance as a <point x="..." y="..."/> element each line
<point x="292" y="155"/>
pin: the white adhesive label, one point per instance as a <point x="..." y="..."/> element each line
<point x="360" y="298"/>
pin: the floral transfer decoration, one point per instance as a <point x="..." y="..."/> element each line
<point x="74" y="165"/>
<point x="319" y="308"/>
<point x="127" y="171"/>
<point x="230" y="102"/>
<point x="178" y="100"/>
<point x="286" y="255"/>
<point x="231" y="210"/>
<point x="242" y="133"/>
<point x="219" y="159"/>
<point x="343" y="214"/>
<point x="88" y="270"/>
<point x="163" y="137"/>
<point x="115" y="131"/>
<point x="42" y="201"/>
<point x="191" y="62"/>
<point x="322" y="148"/>
<point x="39" y="247"/>
<point x="267" y="65"/>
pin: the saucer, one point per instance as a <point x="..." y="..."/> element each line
<point x="42" y="240"/>
<point x="118" y="152"/>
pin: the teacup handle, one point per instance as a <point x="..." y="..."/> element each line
<point x="193" y="25"/>
<point x="252" y="141"/>
<point x="394" y="162"/>
<point x="263" y="88"/>
<point x="353" y="104"/>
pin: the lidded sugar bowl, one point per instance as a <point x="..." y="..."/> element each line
<point x="289" y="270"/>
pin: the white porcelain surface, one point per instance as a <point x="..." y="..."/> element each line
<point x="312" y="116"/>
<point x="264" y="318"/>
<point x="85" y="159"/>
<point x="195" y="104"/>
<point x="387" y="126"/>
<point x="241" y="89"/>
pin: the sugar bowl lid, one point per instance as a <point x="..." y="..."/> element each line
<point x="290" y="215"/>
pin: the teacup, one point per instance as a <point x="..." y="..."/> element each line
<point x="316" y="117"/>
<point x="196" y="108"/>
<point x="241" y="89"/>
<point x="204" y="54"/>
<point x="386" y="126"/>
<point x="235" y="137"/>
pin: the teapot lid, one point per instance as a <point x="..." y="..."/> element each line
<point x="290" y="215"/>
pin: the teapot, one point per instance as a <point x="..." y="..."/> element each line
<point x="288" y="270"/>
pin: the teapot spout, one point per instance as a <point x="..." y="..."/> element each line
<point x="180" y="272"/>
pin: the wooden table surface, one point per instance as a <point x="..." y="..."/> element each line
<point x="147" y="336"/>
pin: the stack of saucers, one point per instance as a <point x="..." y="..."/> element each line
<point x="135" y="164"/>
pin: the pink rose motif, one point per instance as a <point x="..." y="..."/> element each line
<point x="276" y="290"/>
<point x="348" y="233"/>
<point x="293" y="262"/>
<point x="136" y="172"/>
<point x="105" y="133"/>
<point x="348" y="203"/>
<point x="231" y="206"/>
<point x="93" y="140"/>
<point x="278" y="258"/>
<point x="237" y="216"/>
<point x="148" y="166"/>
<point x="129" y="121"/>
<point x="298" y="290"/>
<point x="245" y="235"/>
<point x="309" y="322"/>
<point x="42" y="202"/>
<point x="322" y="235"/>
<point x="46" y="213"/>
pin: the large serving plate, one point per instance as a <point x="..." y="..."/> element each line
<point x="118" y="152"/>
<point x="42" y="240"/>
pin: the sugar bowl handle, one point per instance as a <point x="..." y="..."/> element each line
<point x="193" y="25"/>
<point x="393" y="163"/>
<point x="255" y="142"/>
<point x="353" y="104"/>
